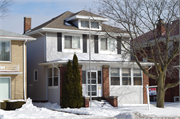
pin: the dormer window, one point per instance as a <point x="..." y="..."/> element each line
<point x="85" y="24"/>
<point x="95" y="25"/>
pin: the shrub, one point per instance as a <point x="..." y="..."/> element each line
<point x="3" y="105"/>
<point x="14" y="105"/>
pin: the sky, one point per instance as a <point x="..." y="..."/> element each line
<point x="40" y="11"/>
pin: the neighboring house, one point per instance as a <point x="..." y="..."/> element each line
<point x="172" y="94"/>
<point x="68" y="33"/>
<point x="13" y="78"/>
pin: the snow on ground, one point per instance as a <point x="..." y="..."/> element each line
<point x="125" y="111"/>
<point x="99" y="110"/>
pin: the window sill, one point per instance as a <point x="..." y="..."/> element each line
<point x="7" y="62"/>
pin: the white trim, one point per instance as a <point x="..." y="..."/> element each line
<point x="16" y="38"/>
<point x="10" y="73"/>
<point x="34" y="71"/>
<point x="86" y="17"/>
<point x="9" y="85"/>
<point x="24" y="68"/>
<point x="9" y="50"/>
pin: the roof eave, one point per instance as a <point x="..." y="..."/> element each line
<point x="86" y="17"/>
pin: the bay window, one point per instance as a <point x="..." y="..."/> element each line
<point x="126" y="76"/>
<point x="137" y="77"/>
<point x="72" y="42"/>
<point x="115" y="76"/>
<point x="4" y="50"/>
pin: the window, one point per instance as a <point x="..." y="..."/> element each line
<point x="103" y="43"/>
<point x="4" y="50"/>
<point x="83" y="77"/>
<point x="115" y="77"/>
<point x="85" y="24"/>
<point x="137" y="77"/>
<point x="170" y="48"/>
<point x="72" y="42"/>
<point x="52" y="77"/>
<point x="95" y="25"/>
<point x="126" y="76"/>
<point x="35" y="75"/>
<point x="107" y="44"/>
<point x="5" y="88"/>
<point x="99" y="77"/>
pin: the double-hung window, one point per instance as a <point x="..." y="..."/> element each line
<point x="85" y="24"/>
<point x="72" y="42"/>
<point x="52" y="77"/>
<point x="95" y="25"/>
<point x="126" y="76"/>
<point x="107" y="44"/>
<point x="4" y="50"/>
<point x="115" y="76"/>
<point x="137" y="77"/>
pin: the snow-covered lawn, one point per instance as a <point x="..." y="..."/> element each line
<point x="45" y="111"/>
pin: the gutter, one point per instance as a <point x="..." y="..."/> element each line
<point x="24" y="58"/>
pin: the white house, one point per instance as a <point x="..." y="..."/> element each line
<point x="57" y="41"/>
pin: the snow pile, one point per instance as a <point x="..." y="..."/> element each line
<point x="28" y="110"/>
<point x="48" y="105"/>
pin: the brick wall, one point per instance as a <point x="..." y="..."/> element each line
<point x="145" y="82"/>
<point x="112" y="100"/>
<point x="86" y="101"/>
<point x="105" y="74"/>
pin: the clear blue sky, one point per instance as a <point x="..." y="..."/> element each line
<point x="40" y="11"/>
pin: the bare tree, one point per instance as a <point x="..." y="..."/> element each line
<point x="4" y="7"/>
<point x="151" y="30"/>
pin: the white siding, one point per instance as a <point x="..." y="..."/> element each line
<point x="53" y="95"/>
<point x="127" y="94"/>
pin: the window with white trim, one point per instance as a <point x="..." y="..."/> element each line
<point x="72" y="42"/>
<point x="126" y="76"/>
<point x="85" y="24"/>
<point x="5" y="50"/>
<point x="107" y="44"/>
<point x="52" y="77"/>
<point x="95" y="25"/>
<point x="137" y="77"/>
<point x="115" y="76"/>
<point x="35" y="75"/>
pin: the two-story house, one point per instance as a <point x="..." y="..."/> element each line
<point x="172" y="73"/>
<point x="13" y="74"/>
<point x="82" y="33"/>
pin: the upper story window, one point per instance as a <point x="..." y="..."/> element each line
<point x="85" y="24"/>
<point x="4" y="50"/>
<point x="95" y="25"/>
<point x="107" y="44"/>
<point x="72" y="42"/>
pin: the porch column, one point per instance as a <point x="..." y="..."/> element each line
<point x="105" y="76"/>
<point x="145" y="82"/>
<point x="62" y="77"/>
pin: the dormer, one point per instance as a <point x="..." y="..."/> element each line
<point x="82" y="18"/>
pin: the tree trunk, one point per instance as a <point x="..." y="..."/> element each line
<point x="160" y="93"/>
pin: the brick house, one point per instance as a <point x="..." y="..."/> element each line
<point x="13" y="78"/>
<point x="113" y="77"/>
<point x="172" y="94"/>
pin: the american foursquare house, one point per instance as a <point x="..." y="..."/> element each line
<point x="114" y="78"/>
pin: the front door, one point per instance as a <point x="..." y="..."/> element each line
<point x="93" y="83"/>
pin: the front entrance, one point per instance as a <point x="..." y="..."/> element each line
<point x="5" y="88"/>
<point x="93" y="83"/>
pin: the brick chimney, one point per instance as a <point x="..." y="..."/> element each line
<point x="160" y="28"/>
<point x="27" y="24"/>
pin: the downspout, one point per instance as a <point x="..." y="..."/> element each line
<point x="24" y="71"/>
<point x="58" y="83"/>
